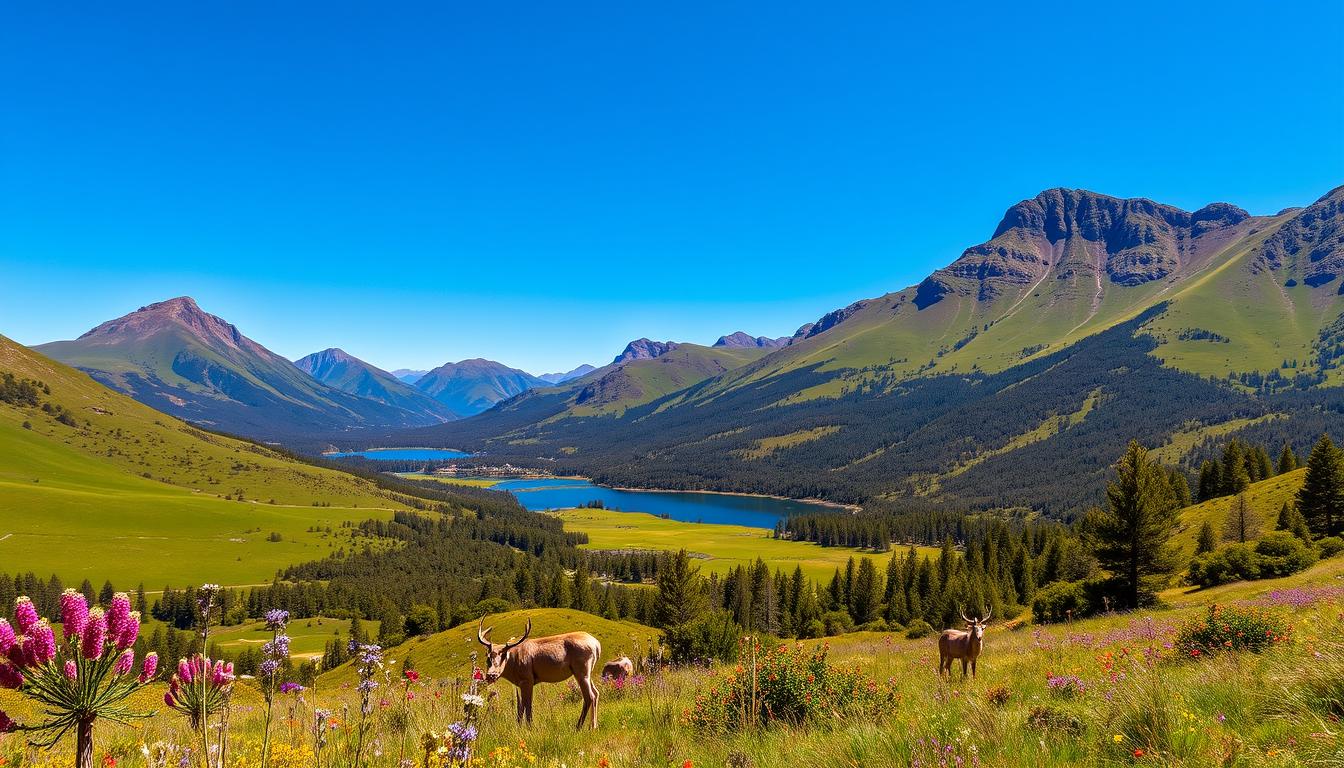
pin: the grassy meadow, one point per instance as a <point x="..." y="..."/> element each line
<point x="716" y="548"/>
<point x="1135" y="702"/>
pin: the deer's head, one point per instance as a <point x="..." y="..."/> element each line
<point x="497" y="654"/>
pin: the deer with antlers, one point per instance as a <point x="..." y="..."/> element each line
<point x="962" y="644"/>
<point x="552" y="659"/>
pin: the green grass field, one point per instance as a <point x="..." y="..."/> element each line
<point x="1264" y="498"/>
<point x="717" y="548"/>
<point x="472" y="482"/>
<point x="308" y="637"/>
<point x="133" y="495"/>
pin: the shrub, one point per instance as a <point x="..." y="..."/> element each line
<point x="1047" y="719"/>
<point x="1277" y="554"/>
<point x="918" y="628"/>
<point x="1282" y="554"/>
<point x="837" y="622"/>
<point x="1058" y="601"/>
<point x="998" y="695"/>
<point x="1330" y="546"/>
<point x="1228" y="628"/>
<point x="712" y="636"/>
<point x="791" y="685"/>
<point x="1065" y="686"/>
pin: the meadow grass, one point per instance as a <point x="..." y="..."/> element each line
<point x="717" y="548"/>
<point x="1140" y="702"/>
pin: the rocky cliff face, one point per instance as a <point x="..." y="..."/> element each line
<point x="1075" y="233"/>
<point x="743" y="340"/>
<point x="1310" y="246"/>
<point x="644" y="349"/>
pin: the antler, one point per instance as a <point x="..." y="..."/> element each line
<point x="963" y="615"/>
<point x="519" y="641"/>
<point x="988" y="612"/>
<point x="481" y="633"/>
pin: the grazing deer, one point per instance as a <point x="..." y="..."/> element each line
<point x="618" y="669"/>
<point x="552" y="659"/>
<point x="964" y="645"/>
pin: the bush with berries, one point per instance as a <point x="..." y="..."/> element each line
<point x="1229" y="628"/>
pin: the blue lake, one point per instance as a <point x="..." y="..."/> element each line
<point x="686" y="506"/>
<point x="404" y="454"/>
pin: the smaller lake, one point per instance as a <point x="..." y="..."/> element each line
<point x="404" y="454"/>
<point x="685" y="506"/>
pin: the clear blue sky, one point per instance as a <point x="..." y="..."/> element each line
<point x="540" y="182"/>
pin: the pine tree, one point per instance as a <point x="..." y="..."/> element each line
<point x="1262" y="467"/>
<point x="1210" y="480"/>
<point x="866" y="601"/>
<point x="1234" y="475"/>
<point x="583" y="589"/>
<point x="1321" y="499"/>
<point x="680" y="599"/>
<point x="1292" y="521"/>
<point x="1243" y="521"/>
<point x="1207" y="541"/>
<point x="1180" y="487"/>
<point x="1024" y="580"/>
<point x="1287" y="459"/>
<point x="1133" y="536"/>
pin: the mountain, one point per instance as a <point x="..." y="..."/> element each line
<point x="471" y="386"/>
<point x="644" y="349"/>
<point x="336" y="368"/>
<point x="190" y="364"/>
<point x="408" y="376"/>
<point x="560" y="378"/>
<point x="130" y="494"/>
<point x="741" y="339"/>
<point x="1011" y="377"/>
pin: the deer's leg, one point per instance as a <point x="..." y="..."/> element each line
<point x="518" y="702"/>
<point x="525" y="696"/>
<point x="964" y="664"/>
<point x="587" y="702"/>
<point x="973" y="663"/>
<point x="596" y="695"/>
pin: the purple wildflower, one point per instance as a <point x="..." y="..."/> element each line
<point x="118" y="615"/>
<point x="10" y="676"/>
<point x="6" y="637"/>
<point x="7" y="724"/>
<point x="277" y="619"/>
<point x="25" y="615"/>
<point x="149" y="667"/>
<point x="95" y="635"/>
<point x="291" y="688"/>
<point x="41" y="647"/>
<point x="125" y="662"/>
<point x="74" y="613"/>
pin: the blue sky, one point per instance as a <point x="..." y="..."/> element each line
<point x="538" y="183"/>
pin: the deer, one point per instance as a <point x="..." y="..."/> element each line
<point x="618" y="669"/>
<point x="552" y="659"/>
<point x="962" y="644"/>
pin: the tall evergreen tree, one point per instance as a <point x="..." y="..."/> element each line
<point x="680" y="599"/>
<point x="1210" y="480"/>
<point x="1287" y="459"/>
<point x="1180" y="487"/>
<point x="1321" y="499"/>
<point x="1234" y="474"/>
<point x="1133" y="536"/>
<point x="1292" y="521"/>
<point x="1207" y="541"/>
<point x="866" y="601"/>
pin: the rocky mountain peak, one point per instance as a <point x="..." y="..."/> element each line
<point x="644" y="349"/>
<point x="181" y="312"/>
<point x="742" y="339"/>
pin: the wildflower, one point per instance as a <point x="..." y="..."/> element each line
<point x="688" y="764"/>
<point x="1138" y="753"/>
<point x="1221" y="718"/>
<point x="277" y="619"/>
<point x="25" y="615"/>
<point x="95" y="634"/>
<point x="10" y="676"/>
<point x="6" y="724"/>
<point x="118" y="617"/>
<point x="109" y="761"/>
<point x="124" y="662"/>
<point x="149" y="667"/>
<point x="1117" y="738"/>
<point x="412" y="675"/>
<point x="41" y="646"/>
<point x="71" y="669"/>
<point x="291" y="688"/>
<point x="6" y="637"/>
<point x="74" y="612"/>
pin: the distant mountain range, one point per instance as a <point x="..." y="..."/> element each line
<point x="560" y="378"/>
<point x="471" y="386"/>
<point x="336" y="368"/>
<point x="1011" y="376"/>
<point x="408" y="376"/>
<point x="188" y="363"/>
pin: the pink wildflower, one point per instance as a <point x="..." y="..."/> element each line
<point x="6" y="724"/>
<point x="42" y="644"/>
<point x="149" y="667"/>
<point x="124" y="662"/>
<point x="71" y="670"/>
<point x="129" y="631"/>
<point x="95" y="635"/>
<point x="74" y="613"/>
<point x="118" y="615"/>
<point x="25" y="615"/>
<point x="6" y="637"/>
<point x="10" y="676"/>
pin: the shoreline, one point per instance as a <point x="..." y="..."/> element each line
<point x="820" y="502"/>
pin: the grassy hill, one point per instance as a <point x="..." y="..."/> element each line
<point x="716" y="548"/>
<point x="132" y="495"/>
<point x="449" y="654"/>
<point x="1265" y="498"/>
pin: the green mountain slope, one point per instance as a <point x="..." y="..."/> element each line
<point x="471" y="386"/>
<point x="94" y="483"/>
<point x="185" y="362"/>
<point x="1011" y="377"/>
<point x="340" y="370"/>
